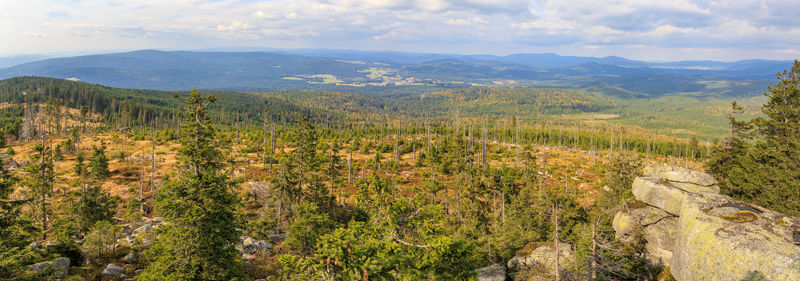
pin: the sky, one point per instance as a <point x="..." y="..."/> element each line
<point x="650" y="30"/>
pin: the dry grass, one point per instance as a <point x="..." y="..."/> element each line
<point x="577" y="172"/>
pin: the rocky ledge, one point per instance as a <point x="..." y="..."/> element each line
<point x="703" y="235"/>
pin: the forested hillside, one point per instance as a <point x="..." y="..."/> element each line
<point x="388" y="73"/>
<point x="328" y="185"/>
<point x="314" y="185"/>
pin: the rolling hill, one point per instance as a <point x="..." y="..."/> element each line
<point x="393" y="73"/>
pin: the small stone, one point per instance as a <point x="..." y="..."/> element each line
<point x="113" y="270"/>
<point x="277" y="237"/>
<point x="131" y="257"/>
<point x="144" y="228"/>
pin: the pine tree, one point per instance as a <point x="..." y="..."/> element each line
<point x="199" y="206"/>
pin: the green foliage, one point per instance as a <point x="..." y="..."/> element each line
<point x="10" y="122"/>
<point x="15" y="231"/>
<point x="40" y="182"/>
<point x="66" y="232"/>
<point x="759" y="161"/>
<point x="79" y="167"/>
<point x="199" y="206"/>
<point x="614" y="259"/>
<point x="621" y="172"/>
<point x="398" y="239"/>
<point x="307" y="225"/>
<point x="99" y="163"/>
<point x="94" y="205"/>
<point x="101" y="240"/>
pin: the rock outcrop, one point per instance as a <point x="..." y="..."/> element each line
<point x="493" y="272"/>
<point x="540" y="256"/>
<point x="250" y="247"/>
<point x="658" y="227"/>
<point x="60" y="265"/>
<point x="703" y="235"/>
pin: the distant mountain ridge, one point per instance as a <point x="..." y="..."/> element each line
<point x="377" y="72"/>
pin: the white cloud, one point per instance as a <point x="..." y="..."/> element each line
<point x="719" y="29"/>
<point x="235" y="25"/>
<point x="262" y="15"/>
<point x="472" y="21"/>
<point x="36" y="34"/>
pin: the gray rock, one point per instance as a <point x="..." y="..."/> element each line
<point x="516" y="263"/>
<point x="126" y="241"/>
<point x="543" y="257"/>
<point x="251" y="246"/>
<point x="694" y="188"/>
<point x="142" y="229"/>
<point x="659" y="194"/>
<point x="113" y="271"/>
<point x="711" y="244"/>
<point x="493" y="272"/>
<point x="277" y="237"/>
<point x="660" y="238"/>
<point x="658" y="227"/>
<point x="653" y="169"/>
<point x="686" y="176"/>
<point x="708" y="236"/>
<point x="633" y="217"/>
<point x="131" y="258"/>
<point x="723" y="211"/>
<point x="61" y="265"/>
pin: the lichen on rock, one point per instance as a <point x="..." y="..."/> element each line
<point x="708" y="236"/>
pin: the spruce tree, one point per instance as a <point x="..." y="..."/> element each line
<point x="760" y="161"/>
<point x="15" y="232"/>
<point x="99" y="163"/>
<point x="197" y="242"/>
<point x="40" y="183"/>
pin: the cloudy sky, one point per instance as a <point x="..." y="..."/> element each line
<point x="653" y="30"/>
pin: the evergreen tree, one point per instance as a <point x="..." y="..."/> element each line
<point x="79" y="167"/>
<point x="760" y="161"/>
<point x="624" y="168"/>
<point x="99" y="162"/>
<point x="334" y="165"/>
<point x="306" y="144"/>
<point x="95" y="205"/>
<point x="15" y="232"/>
<point x="199" y="206"/>
<point x="40" y="183"/>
